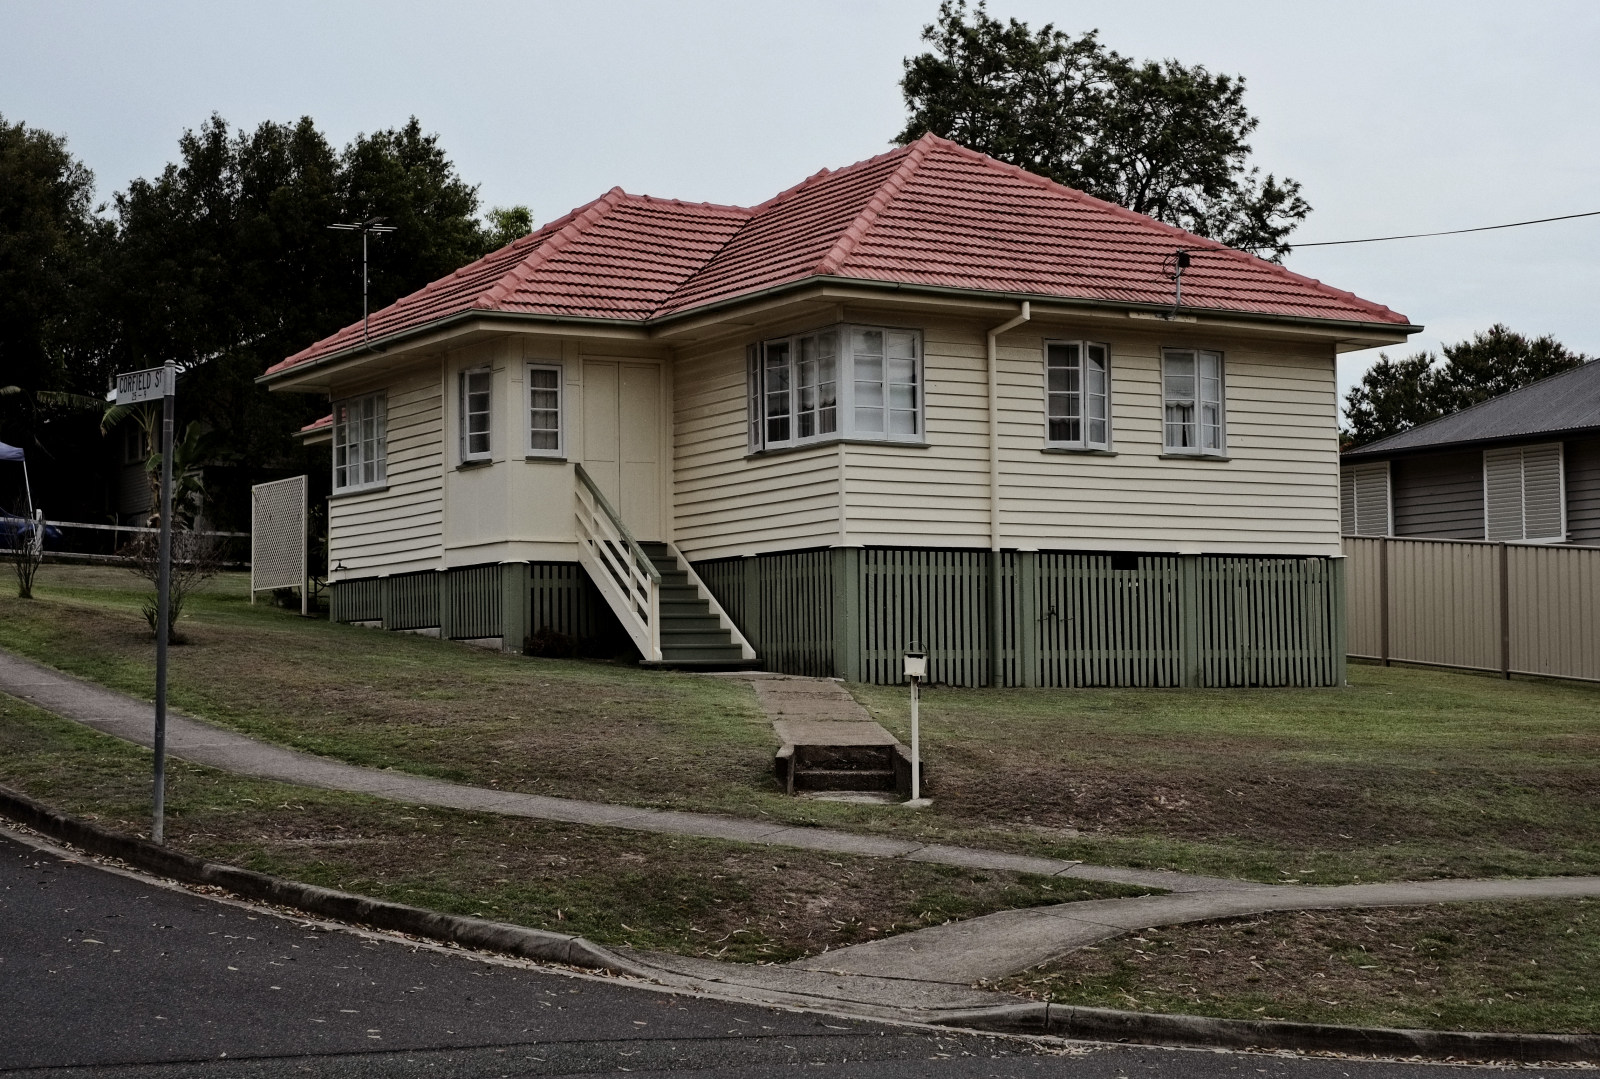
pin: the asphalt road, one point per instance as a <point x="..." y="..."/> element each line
<point x="110" y="976"/>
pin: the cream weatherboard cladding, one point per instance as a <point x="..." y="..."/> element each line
<point x="399" y="527"/>
<point x="1278" y="493"/>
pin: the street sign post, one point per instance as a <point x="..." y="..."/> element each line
<point x="134" y="388"/>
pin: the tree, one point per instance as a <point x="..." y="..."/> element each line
<point x="1397" y="395"/>
<point x="504" y="224"/>
<point x="1161" y="138"/>
<point x="225" y="263"/>
<point x="49" y="243"/>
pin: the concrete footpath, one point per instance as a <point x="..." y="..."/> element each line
<point x="924" y="973"/>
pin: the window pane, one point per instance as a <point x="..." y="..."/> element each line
<point x="866" y="343"/>
<point x="902" y="421"/>
<point x="869" y="420"/>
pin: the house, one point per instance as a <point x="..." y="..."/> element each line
<point x="1521" y="467"/>
<point x="927" y="398"/>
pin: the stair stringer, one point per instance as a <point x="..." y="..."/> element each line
<point x="746" y="649"/>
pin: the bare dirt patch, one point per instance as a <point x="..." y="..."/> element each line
<point x="1527" y="966"/>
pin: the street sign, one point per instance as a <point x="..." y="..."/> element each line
<point x="159" y="383"/>
<point x="152" y="385"/>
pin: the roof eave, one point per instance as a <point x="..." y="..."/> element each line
<point x="1381" y="332"/>
<point x="1375" y="453"/>
<point x="433" y="332"/>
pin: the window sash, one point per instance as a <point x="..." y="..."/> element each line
<point x="1078" y="395"/>
<point x="477" y="413"/>
<point x="1193" y="402"/>
<point x="545" y="429"/>
<point x="842" y="382"/>
<point x="359" y="442"/>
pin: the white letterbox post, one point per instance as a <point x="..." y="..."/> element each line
<point x="916" y="670"/>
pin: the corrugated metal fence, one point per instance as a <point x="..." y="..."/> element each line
<point x="1507" y="607"/>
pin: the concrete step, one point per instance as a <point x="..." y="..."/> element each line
<point x="844" y="779"/>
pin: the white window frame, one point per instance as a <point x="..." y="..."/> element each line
<point x="368" y="452"/>
<point x="1085" y="396"/>
<point x="1196" y="401"/>
<point x="464" y="395"/>
<point x="560" y="450"/>
<point x="851" y="397"/>
<point x="1521" y="453"/>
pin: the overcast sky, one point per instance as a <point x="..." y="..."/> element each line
<point x="1396" y="116"/>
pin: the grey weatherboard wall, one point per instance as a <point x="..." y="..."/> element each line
<point x="1067" y="618"/>
<point x="1438" y="495"/>
<point x="1583" y="491"/>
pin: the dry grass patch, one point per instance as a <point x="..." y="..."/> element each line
<point x="695" y="897"/>
<point x="1527" y="966"/>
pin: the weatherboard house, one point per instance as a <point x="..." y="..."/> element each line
<point x="1523" y="467"/>
<point x="927" y="399"/>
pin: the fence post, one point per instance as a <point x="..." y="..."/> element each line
<point x="1505" y="612"/>
<point x="1339" y="570"/>
<point x="447" y="592"/>
<point x="847" y="613"/>
<point x="385" y="602"/>
<point x="1189" y="620"/>
<point x="1383" y="600"/>
<point x="1027" y="606"/>
<point x="516" y="601"/>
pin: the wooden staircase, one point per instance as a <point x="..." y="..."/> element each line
<point x="693" y="632"/>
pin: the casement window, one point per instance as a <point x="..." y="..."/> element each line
<point x="359" y="454"/>
<point x="544" y="410"/>
<point x="842" y="382"/>
<point x="1524" y="494"/>
<point x="477" y="412"/>
<point x="1192" y="396"/>
<point x="1364" y="504"/>
<point x="1077" y="395"/>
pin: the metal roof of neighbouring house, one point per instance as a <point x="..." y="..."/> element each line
<point x="1564" y="403"/>
<point x="931" y="214"/>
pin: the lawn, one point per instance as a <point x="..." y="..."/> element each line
<point x="1532" y="967"/>
<point x="695" y="897"/>
<point x="1404" y="773"/>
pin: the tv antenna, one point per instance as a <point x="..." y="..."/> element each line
<point x="366" y="228"/>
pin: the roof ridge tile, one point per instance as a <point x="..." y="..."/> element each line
<point x="578" y="222"/>
<point x="893" y="184"/>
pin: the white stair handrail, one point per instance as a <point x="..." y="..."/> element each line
<point x="618" y="566"/>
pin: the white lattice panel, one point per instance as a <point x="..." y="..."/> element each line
<point x="278" y="534"/>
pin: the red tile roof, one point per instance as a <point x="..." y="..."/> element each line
<point x="931" y="213"/>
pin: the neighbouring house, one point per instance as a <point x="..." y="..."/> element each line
<point x="928" y="398"/>
<point x="1521" y="467"/>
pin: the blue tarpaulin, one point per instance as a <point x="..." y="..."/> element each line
<point x="10" y="453"/>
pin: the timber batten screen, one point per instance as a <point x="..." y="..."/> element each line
<point x="1068" y="619"/>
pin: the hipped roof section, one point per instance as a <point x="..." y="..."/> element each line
<point x="1559" y="404"/>
<point x="931" y="213"/>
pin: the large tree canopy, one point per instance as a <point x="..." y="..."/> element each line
<point x="49" y="238"/>
<point x="1160" y="138"/>
<point x="1396" y="395"/>
<point x="225" y="262"/>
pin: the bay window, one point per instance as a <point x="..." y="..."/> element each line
<point x="842" y="382"/>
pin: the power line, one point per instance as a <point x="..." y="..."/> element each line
<point x="1449" y="232"/>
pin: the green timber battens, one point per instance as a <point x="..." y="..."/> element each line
<point x="1068" y="619"/>
<point x="355" y="601"/>
<point x="473" y="601"/>
<point x="413" y="601"/>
